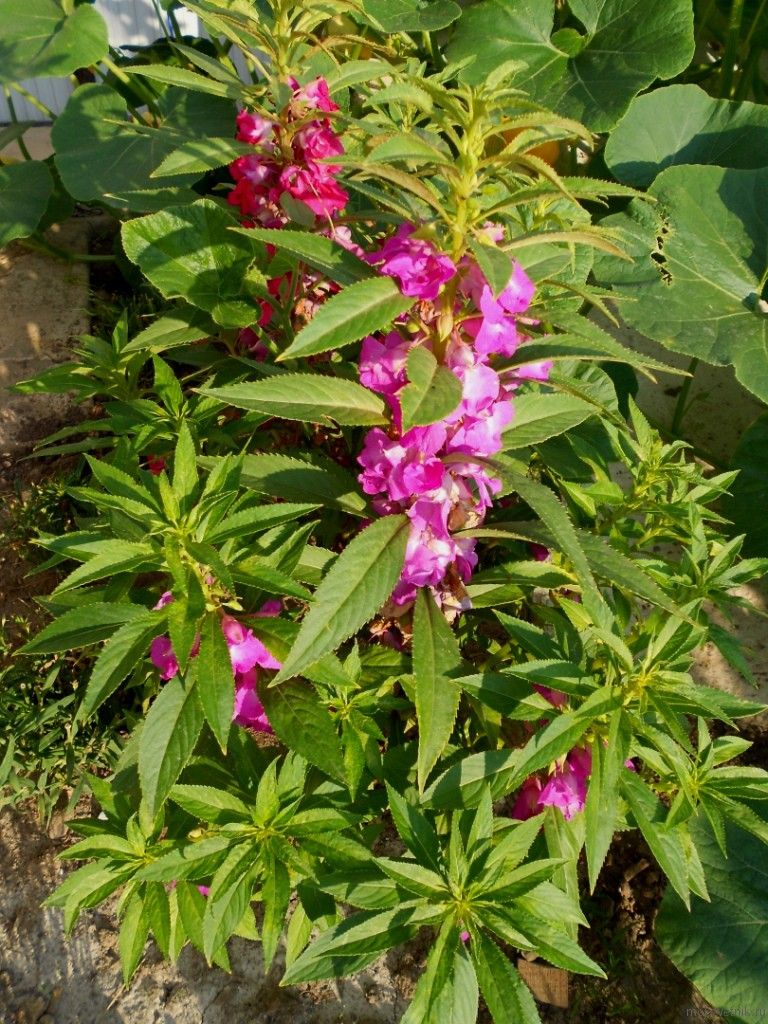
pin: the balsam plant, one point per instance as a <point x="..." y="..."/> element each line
<point x="411" y="586"/>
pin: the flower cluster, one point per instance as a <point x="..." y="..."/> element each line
<point x="287" y="158"/>
<point x="437" y="474"/>
<point x="246" y="652"/>
<point x="566" y="787"/>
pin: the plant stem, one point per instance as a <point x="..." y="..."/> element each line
<point x="46" y="111"/>
<point x="12" y="109"/>
<point x="731" y="48"/>
<point x="681" y="405"/>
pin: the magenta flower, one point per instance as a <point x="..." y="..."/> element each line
<point x="252" y="128"/>
<point x="249" y="711"/>
<point x="382" y="363"/>
<point x="419" y="267"/>
<point x="567" y="786"/>
<point x="527" y="803"/>
<point x="317" y="190"/>
<point x="163" y="658"/>
<point x="315" y="95"/>
<point x="245" y="650"/>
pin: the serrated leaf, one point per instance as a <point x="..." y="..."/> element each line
<point x="358" y="310"/>
<point x="229" y="896"/>
<point x="494" y="263"/>
<point x="82" y="626"/>
<point x="303" y="723"/>
<point x="538" y="417"/>
<point x="215" y="679"/>
<point x="295" y="480"/>
<point x="432" y="391"/>
<point x="505" y="993"/>
<point x="412" y="15"/>
<point x="307" y="397"/>
<point x="134" y="931"/>
<point x="25" y="190"/>
<point x="319" y="252"/>
<point x="200" y="155"/>
<point x="167" y="740"/>
<point x="357" y="585"/>
<point x="435" y="653"/>
<point x="603" y="793"/>
<point x="119" y="658"/>
<point x="43" y="38"/>
<point x="275" y="894"/>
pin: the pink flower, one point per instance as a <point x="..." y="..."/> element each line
<point x="382" y="363"/>
<point x="464" y="936"/>
<point x="317" y="190"/>
<point x="249" y="340"/>
<point x="314" y="94"/>
<point x="245" y="650"/>
<point x="539" y="370"/>
<point x="163" y="658"/>
<point x="252" y="128"/>
<point x="430" y="548"/>
<point x="527" y="803"/>
<point x="249" y="711"/>
<point x="156" y="464"/>
<point x="318" y="141"/>
<point x="165" y="599"/>
<point x="555" y="697"/>
<point x="567" y="786"/>
<point x="420" y="268"/>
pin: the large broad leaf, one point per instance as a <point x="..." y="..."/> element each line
<point x="684" y="125"/>
<point x="38" y="38"/>
<point x="308" y="397"/>
<point x="695" y="285"/>
<point x="749" y="503"/>
<point x="189" y="251"/>
<point x="360" y="581"/>
<point x="722" y="946"/>
<point x="101" y="156"/>
<point x="435" y="654"/>
<point x="24" y="193"/>
<point x="591" y="76"/>
<point x="411" y="15"/>
<point x="358" y="310"/>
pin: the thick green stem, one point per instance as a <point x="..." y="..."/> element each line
<point x="681" y="405"/>
<point x="36" y="243"/>
<point x="46" y="111"/>
<point x="22" y="144"/>
<point x="731" y="48"/>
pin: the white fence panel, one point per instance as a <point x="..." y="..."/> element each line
<point x="129" y="23"/>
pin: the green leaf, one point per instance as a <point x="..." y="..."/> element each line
<point x="412" y="15"/>
<point x="250" y="521"/>
<point x="194" y="860"/>
<point x="603" y="793"/>
<point x="102" y="157"/>
<point x="319" y="252"/>
<point x="434" y="998"/>
<point x="435" y="653"/>
<point x="432" y="391"/>
<point x="304" y="724"/>
<point x="539" y="417"/>
<point x="358" y="310"/>
<point x="415" y="831"/>
<point x="200" y="155"/>
<point x="208" y="804"/>
<point x="40" y="39"/>
<point x="186" y="79"/>
<point x="122" y="652"/>
<point x="181" y="327"/>
<point x="275" y="894"/>
<point x="82" y="626"/>
<point x="494" y="263"/>
<point x="682" y="124"/>
<point x="189" y="252"/>
<point x="408" y="147"/>
<point x="215" y="681"/>
<point x="591" y="76"/>
<point x="665" y="844"/>
<point x="695" y="285"/>
<point x="357" y="941"/>
<point x="551" y="943"/>
<point x="308" y="397"/>
<point x="229" y="897"/>
<point x="359" y="582"/>
<point x="556" y="519"/>
<point x="749" y="492"/>
<point x="167" y="740"/>
<point x="25" y="190"/>
<point x="505" y="993"/>
<point x="134" y="932"/>
<point x="113" y="557"/>
<point x="721" y="946"/>
<point x="295" y="480"/>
